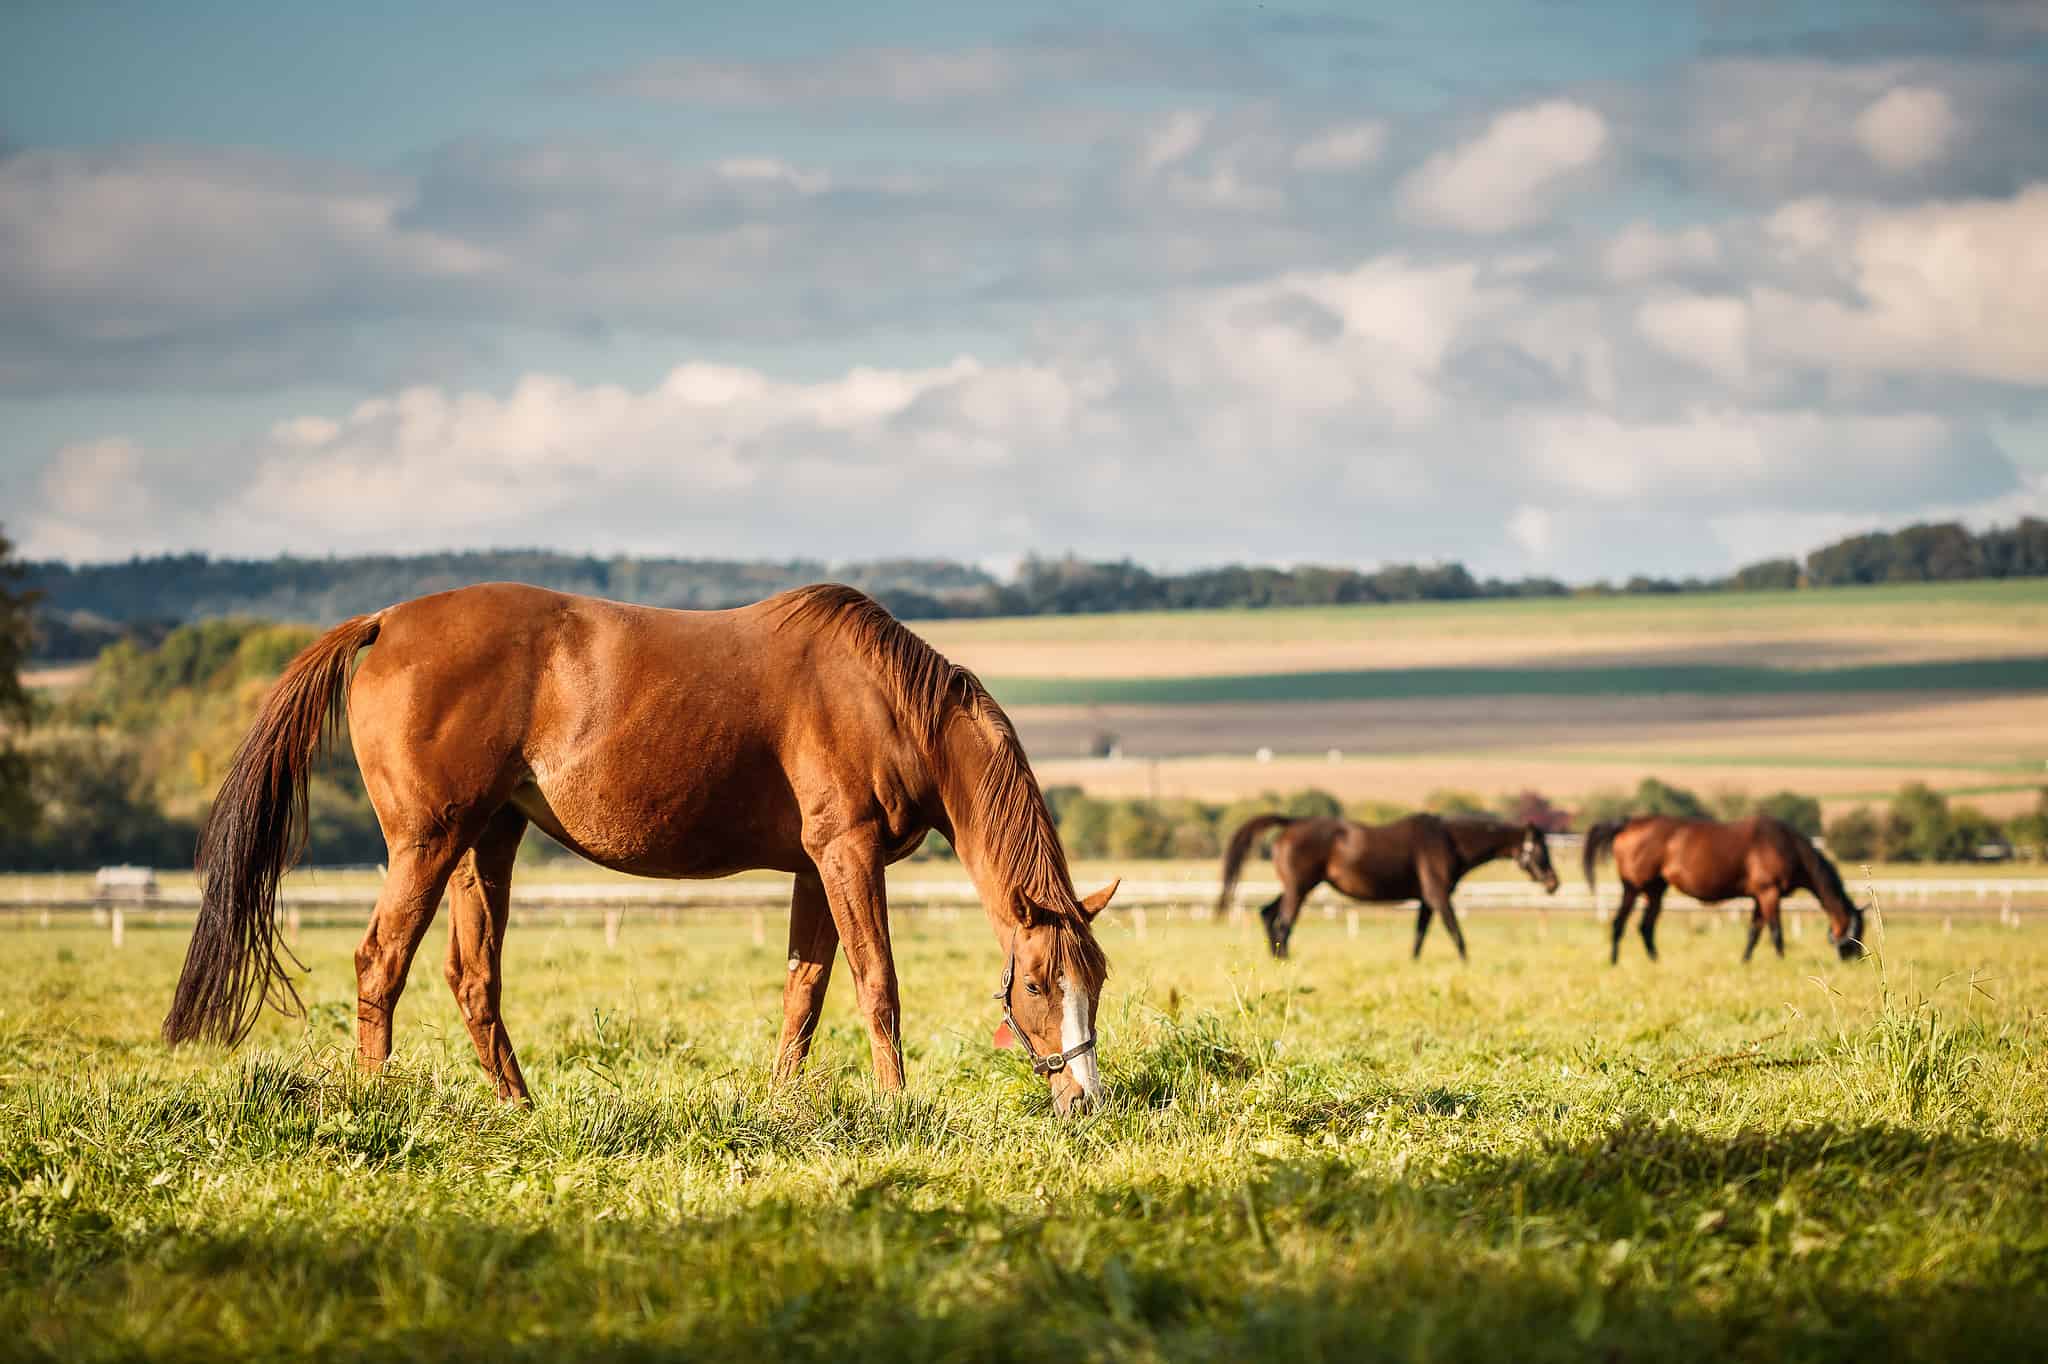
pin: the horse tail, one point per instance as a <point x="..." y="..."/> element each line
<point x="255" y="831"/>
<point x="1241" y="845"/>
<point x="1599" y="839"/>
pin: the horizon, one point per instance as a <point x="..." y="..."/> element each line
<point x="1580" y="293"/>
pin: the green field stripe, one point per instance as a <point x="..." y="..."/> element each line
<point x="1389" y="684"/>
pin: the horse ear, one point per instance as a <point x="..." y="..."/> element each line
<point x="1092" y="905"/>
<point x="1004" y="1038"/>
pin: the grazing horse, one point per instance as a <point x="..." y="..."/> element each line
<point x="1763" y="858"/>
<point x="810" y="733"/>
<point x="1422" y="858"/>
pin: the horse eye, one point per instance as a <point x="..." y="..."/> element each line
<point x="1030" y="987"/>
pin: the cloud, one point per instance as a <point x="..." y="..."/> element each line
<point x="1040" y="66"/>
<point x="1505" y="178"/>
<point x="1907" y="127"/>
<point x="1319" y="410"/>
<point x="1343" y="148"/>
<point x="1947" y="288"/>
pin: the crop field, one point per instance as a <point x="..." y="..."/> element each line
<point x="1844" y="694"/>
<point x="1536" y="1156"/>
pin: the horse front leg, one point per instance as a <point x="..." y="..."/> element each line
<point x="850" y="868"/>
<point x="813" y="941"/>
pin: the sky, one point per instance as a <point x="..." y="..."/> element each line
<point x="1578" y="288"/>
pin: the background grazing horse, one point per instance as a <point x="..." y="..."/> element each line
<point x="1422" y="857"/>
<point x="1761" y="857"/>
<point x="810" y="733"/>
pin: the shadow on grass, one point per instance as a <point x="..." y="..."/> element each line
<point x="1648" y="1243"/>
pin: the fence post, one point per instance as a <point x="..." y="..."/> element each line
<point x="1351" y="922"/>
<point x="120" y="923"/>
<point x="760" y="930"/>
<point x="1138" y="922"/>
<point x="612" y="915"/>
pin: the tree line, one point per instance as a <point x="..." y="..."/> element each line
<point x="86" y="607"/>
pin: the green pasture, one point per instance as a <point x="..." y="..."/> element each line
<point x="1350" y="1155"/>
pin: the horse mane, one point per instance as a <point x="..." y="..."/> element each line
<point x="1483" y="831"/>
<point x="930" y="693"/>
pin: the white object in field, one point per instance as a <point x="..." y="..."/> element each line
<point x="124" y="883"/>
<point x="611" y="925"/>
<point x="120" y="917"/>
<point x="1335" y="755"/>
<point x="1264" y="755"/>
<point x="1350" y="923"/>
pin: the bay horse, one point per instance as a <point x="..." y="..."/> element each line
<point x="1761" y="857"/>
<point x="1422" y="858"/>
<point x="810" y="733"/>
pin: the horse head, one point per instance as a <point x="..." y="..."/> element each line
<point x="1052" y="981"/>
<point x="1532" y="855"/>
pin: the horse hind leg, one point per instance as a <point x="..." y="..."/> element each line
<point x="1653" y="905"/>
<point x="1422" y="915"/>
<point x="1756" y="929"/>
<point x="417" y="874"/>
<point x="479" y="905"/>
<point x="1629" y="891"/>
<point x="813" y="941"/>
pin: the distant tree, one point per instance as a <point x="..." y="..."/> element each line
<point x="1919" y="828"/>
<point x="2028" y="833"/>
<point x="1654" y="797"/>
<point x="1855" y="836"/>
<point x="17" y="806"/>
<point x="1311" y="803"/>
<point x="1771" y="575"/>
<point x="1375" y="811"/>
<point x="1532" y="807"/>
<point x="1801" y="812"/>
<point x="1731" y="803"/>
<point x="1447" y="800"/>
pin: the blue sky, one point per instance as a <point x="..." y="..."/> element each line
<point x="1573" y="288"/>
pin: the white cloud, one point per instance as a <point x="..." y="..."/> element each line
<point x="1640" y="251"/>
<point x="1530" y="527"/>
<point x="1957" y="288"/>
<point x="1907" y="127"/>
<point x="1505" y="177"/>
<point x="1710" y="332"/>
<point x="1342" y="148"/>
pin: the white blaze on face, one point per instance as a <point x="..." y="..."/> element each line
<point x="1073" y="1032"/>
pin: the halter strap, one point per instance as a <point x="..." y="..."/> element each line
<point x="1052" y="1062"/>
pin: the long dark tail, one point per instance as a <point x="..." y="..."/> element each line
<point x="254" y="833"/>
<point x="1240" y="847"/>
<point x="1599" y="839"/>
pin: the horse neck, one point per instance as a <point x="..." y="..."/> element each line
<point x="997" y="820"/>
<point x="1477" y="843"/>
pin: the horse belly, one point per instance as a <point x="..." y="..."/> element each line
<point x="676" y="820"/>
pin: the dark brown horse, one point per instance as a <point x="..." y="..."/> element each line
<point x="1763" y="858"/>
<point x="810" y="733"/>
<point x="1422" y="858"/>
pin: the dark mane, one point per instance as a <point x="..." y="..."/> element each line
<point x="930" y="694"/>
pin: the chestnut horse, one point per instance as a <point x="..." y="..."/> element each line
<point x="810" y="733"/>
<point x="1422" y="857"/>
<point x="1763" y="858"/>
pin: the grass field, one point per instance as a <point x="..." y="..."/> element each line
<point x="1348" y="1155"/>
